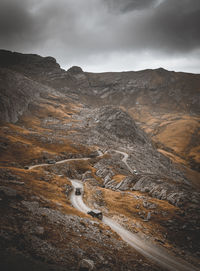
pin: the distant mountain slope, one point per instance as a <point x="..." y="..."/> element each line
<point x="160" y="90"/>
<point x="152" y="97"/>
<point x="166" y="104"/>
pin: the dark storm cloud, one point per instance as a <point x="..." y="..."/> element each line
<point x="129" y="5"/>
<point x="77" y="31"/>
<point x="174" y="25"/>
<point x="12" y="18"/>
<point x="171" y="26"/>
<point x="16" y="22"/>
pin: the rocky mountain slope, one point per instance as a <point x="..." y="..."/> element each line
<point x="16" y="93"/>
<point x="157" y="99"/>
<point x="159" y="89"/>
<point x="100" y="127"/>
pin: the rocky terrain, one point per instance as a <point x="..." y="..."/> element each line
<point x="132" y="138"/>
<point x="162" y="102"/>
<point x="17" y="92"/>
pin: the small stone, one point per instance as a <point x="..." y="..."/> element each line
<point x="148" y="215"/>
<point x="86" y="265"/>
<point x="18" y="183"/>
<point x="39" y="230"/>
<point x="10" y="192"/>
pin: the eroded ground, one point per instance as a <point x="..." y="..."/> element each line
<point x="38" y="223"/>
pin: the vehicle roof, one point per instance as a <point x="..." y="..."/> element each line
<point x="96" y="211"/>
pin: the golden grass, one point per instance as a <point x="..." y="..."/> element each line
<point x="24" y="144"/>
<point x="49" y="190"/>
<point x="176" y="135"/>
<point x="118" y="178"/>
<point x="126" y="208"/>
<point x="173" y="157"/>
<point x="25" y="149"/>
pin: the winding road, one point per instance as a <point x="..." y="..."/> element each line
<point x="157" y="254"/>
<point x="57" y="163"/>
<point x="124" y="160"/>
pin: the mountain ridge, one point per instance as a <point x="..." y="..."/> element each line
<point x="130" y="138"/>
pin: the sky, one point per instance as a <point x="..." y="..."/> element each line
<point x="105" y="35"/>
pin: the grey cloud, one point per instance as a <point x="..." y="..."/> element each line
<point x="171" y="27"/>
<point x="13" y="18"/>
<point x="20" y="28"/>
<point x="129" y="5"/>
<point x="174" y="25"/>
<point x="83" y="31"/>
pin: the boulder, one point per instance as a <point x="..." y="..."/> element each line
<point x="161" y="189"/>
<point x="68" y="189"/>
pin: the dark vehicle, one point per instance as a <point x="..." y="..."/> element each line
<point x="78" y="191"/>
<point x="26" y="167"/>
<point x="51" y="161"/>
<point x="96" y="213"/>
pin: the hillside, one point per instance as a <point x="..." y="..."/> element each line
<point x="132" y="141"/>
<point x="158" y="100"/>
<point x="155" y="98"/>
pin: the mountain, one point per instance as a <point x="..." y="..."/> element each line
<point x="132" y="141"/>
<point x="162" y="102"/>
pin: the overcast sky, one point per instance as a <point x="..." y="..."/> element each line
<point x="105" y="35"/>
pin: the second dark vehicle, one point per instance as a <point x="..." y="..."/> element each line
<point x="96" y="213"/>
<point x="78" y="191"/>
<point x="51" y="161"/>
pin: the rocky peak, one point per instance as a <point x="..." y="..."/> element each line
<point x="43" y="69"/>
<point x="117" y="122"/>
<point x="27" y="62"/>
<point x="75" y="70"/>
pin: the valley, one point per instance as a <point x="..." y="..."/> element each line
<point x="134" y="151"/>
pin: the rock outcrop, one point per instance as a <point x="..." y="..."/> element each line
<point x="41" y="69"/>
<point x="114" y="121"/>
<point x="16" y="93"/>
